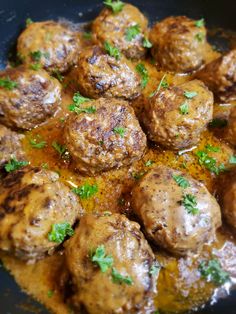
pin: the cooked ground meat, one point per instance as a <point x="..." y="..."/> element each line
<point x="164" y="208"/>
<point x="99" y="292"/>
<point x="33" y="99"/>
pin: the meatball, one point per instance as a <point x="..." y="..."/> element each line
<point x="177" y="212"/>
<point x="121" y="241"/>
<point x="229" y="200"/>
<point x="32" y="200"/>
<point x="10" y="145"/>
<point x="116" y="27"/>
<point x="100" y="75"/>
<point x="220" y="76"/>
<point x="31" y="98"/>
<point x="175" y="117"/>
<point x="178" y="44"/>
<point x="110" y="137"/>
<point x="49" y="43"/>
<point x="231" y="129"/>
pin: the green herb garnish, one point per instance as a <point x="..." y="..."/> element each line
<point x="7" y="83"/>
<point x="132" y="32"/>
<point x="155" y="268"/>
<point x="35" y="66"/>
<point x="14" y="164"/>
<point x="149" y="163"/>
<point x="212" y="271"/>
<point x="200" y="36"/>
<point x="86" y="191"/>
<point x="184" y="108"/>
<point x="190" y="95"/>
<point x="189" y="201"/>
<point x="87" y="35"/>
<point x="120" y="279"/>
<point x="209" y="162"/>
<point x="116" y="6"/>
<point x="111" y="50"/>
<point x="232" y="160"/>
<point x="163" y="84"/>
<point x="140" y="68"/>
<point x="119" y="130"/>
<point x="36" y="55"/>
<point x="50" y="293"/>
<point x="181" y="181"/>
<point x="100" y="258"/>
<point x="146" y="43"/>
<point x="28" y="21"/>
<point x="60" y="231"/>
<point x="211" y="148"/>
<point x="35" y="144"/>
<point x="61" y="149"/>
<point x="78" y="110"/>
<point x="199" y="23"/>
<point x="56" y="73"/>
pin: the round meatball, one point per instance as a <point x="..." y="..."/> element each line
<point x="50" y="44"/>
<point x="31" y="98"/>
<point x="177" y="212"/>
<point x="32" y="200"/>
<point x="231" y="129"/>
<point x="116" y="28"/>
<point x="100" y="75"/>
<point x="10" y="145"/>
<point x="220" y="76"/>
<point x="178" y="44"/>
<point x="175" y="117"/>
<point x="101" y="291"/>
<point x="110" y="137"/>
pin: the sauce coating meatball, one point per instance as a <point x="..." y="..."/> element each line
<point x="178" y="44"/>
<point x="175" y="117"/>
<point x="231" y="129"/>
<point x="50" y="44"/>
<point x="33" y="99"/>
<point x="102" y="292"/>
<point x="114" y="28"/>
<point x="110" y="137"/>
<point x="220" y="76"/>
<point x="31" y="201"/>
<point x="100" y="75"/>
<point x="164" y="208"/>
<point x="10" y="145"/>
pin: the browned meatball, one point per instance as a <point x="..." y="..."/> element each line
<point x="50" y="44"/>
<point x="220" y="76"/>
<point x="31" y="201"/>
<point x="100" y="75"/>
<point x="32" y="98"/>
<point x="231" y="129"/>
<point x="177" y="215"/>
<point x="110" y="137"/>
<point x="10" y="145"/>
<point x="115" y="28"/>
<point x="98" y="291"/>
<point x="178" y="44"/>
<point x="175" y="117"/>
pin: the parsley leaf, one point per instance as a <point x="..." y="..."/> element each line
<point x="60" y="231"/>
<point x="200" y="36"/>
<point x="78" y="99"/>
<point x="86" y="191"/>
<point x="7" y="83"/>
<point x="14" y="164"/>
<point x="111" y="50"/>
<point x="146" y="43"/>
<point x="78" y="110"/>
<point x="190" y="95"/>
<point x="184" y="108"/>
<point x="35" y="66"/>
<point x="116" y="6"/>
<point x="100" y="258"/>
<point x="36" y="55"/>
<point x="232" y="160"/>
<point x="218" y="123"/>
<point x="140" y="68"/>
<point x="190" y="203"/>
<point x="87" y="35"/>
<point x="199" y="23"/>
<point x="35" y="144"/>
<point x="50" y="293"/>
<point x="132" y="32"/>
<point x="155" y="268"/>
<point x="28" y="21"/>
<point x="119" y="130"/>
<point x="163" y="83"/>
<point x="149" y="163"/>
<point x="211" y="148"/>
<point x="119" y="279"/>
<point x="138" y="175"/>
<point x="181" y="181"/>
<point x="61" y="149"/>
<point x="209" y="162"/>
<point x="212" y="271"/>
<point x="56" y="73"/>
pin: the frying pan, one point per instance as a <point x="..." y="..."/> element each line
<point x="13" y="13"/>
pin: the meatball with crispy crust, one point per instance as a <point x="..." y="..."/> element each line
<point x="110" y="137"/>
<point x="31" y="201"/>
<point x="231" y="128"/>
<point x="177" y="212"/>
<point x="50" y="44"/>
<point x="178" y="44"/>
<point x="27" y="97"/>
<point x="100" y="75"/>
<point x="127" y="285"/>
<point x="175" y="117"/>
<point x="125" y="30"/>
<point x="220" y="76"/>
<point x="10" y="145"/>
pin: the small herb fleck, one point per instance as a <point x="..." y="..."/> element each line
<point x="56" y="73"/>
<point x="120" y="279"/>
<point x="100" y="258"/>
<point x="149" y="163"/>
<point x="146" y="43"/>
<point x="211" y="148"/>
<point x="14" y="164"/>
<point x="132" y="32"/>
<point x="59" y="231"/>
<point x="87" y="35"/>
<point x="140" y="68"/>
<point x="189" y="201"/>
<point x="184" y="108"/>
<point x="200" y="36"/>
<point x="86" y="191"/>
<point x="28" y="21"/>
<point x="232" y="160"/>
<point x="212" y="271"/>
<point x="181" y="181"/>
<point x="35" y="66"/>
<point x="119" y="130"/>
<point x="61" y="149"/>
<point x="36" y="144"/>
<point x="155" y="268"/>
<point x="116" y="5"/>
<point x="111" y="50"/>
<point x="36" y="55"/>
<point x="7" y="83"/>
<point x="190" y="95"/>
<point x="50" y="293"/>
<point x="209" y="162"/>
<point x="200" y="23"/>
<point x="163" y="84"/>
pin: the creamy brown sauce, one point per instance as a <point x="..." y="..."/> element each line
<point x="180" y="286"/>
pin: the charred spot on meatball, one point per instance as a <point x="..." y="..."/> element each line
<point x="32" y="200"/>
<point x="175" y="117"/>
<point x="124" y="282"/>
<point x="177" y="212"/>
<point x="31" y="98"/>
<point x="110" y="137"/>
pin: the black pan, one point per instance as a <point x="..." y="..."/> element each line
<point x="13" y="13"/>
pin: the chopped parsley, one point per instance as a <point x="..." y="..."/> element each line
<point x="50" y="293"/>
<point x="111" y="50"/>
<point x="132" y="32"/>
<point x="100" y="258"/>
<point x="60" y="231"/>
<point x="199" y="23"/>
<point x="184" y="108"/>
<point x="163" y="84"/>
<point x="87" y="35"/>
<point x="119" y="130"/>
<point x="138" y="175"/>
<point x="28" y="21"/>
<point x="61" y="149"/>
<point x="189" y="201"/>
<point x="212" y="271"/>
<point x="211" y="148"/>
<point x="218" y="123"/>
<point x="78" y="99"/>
<point x="140" y="68"/>
<point x="36" y="144"/>
<point x="14" y="164"/>
<point x="146" y="43"/>
<point x="209" y="162"/>
<point x="86" y="191"/>
<point x="155" y="268"/>
<point x="7" y="83"/>
<point x="56" y="73"/>
<point x="181" y="181"/>
<point x="149" y="163"/>
<point x="120" y="279"/>
<point x="116" y="6"/>
<point x="200" y="36"/>
<point x="232" y="160"/>
<point x="35" y="66"/>
<point x="44" y="165"/>
<point x="190" y="95"/>
<point x="36" y="55"/>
